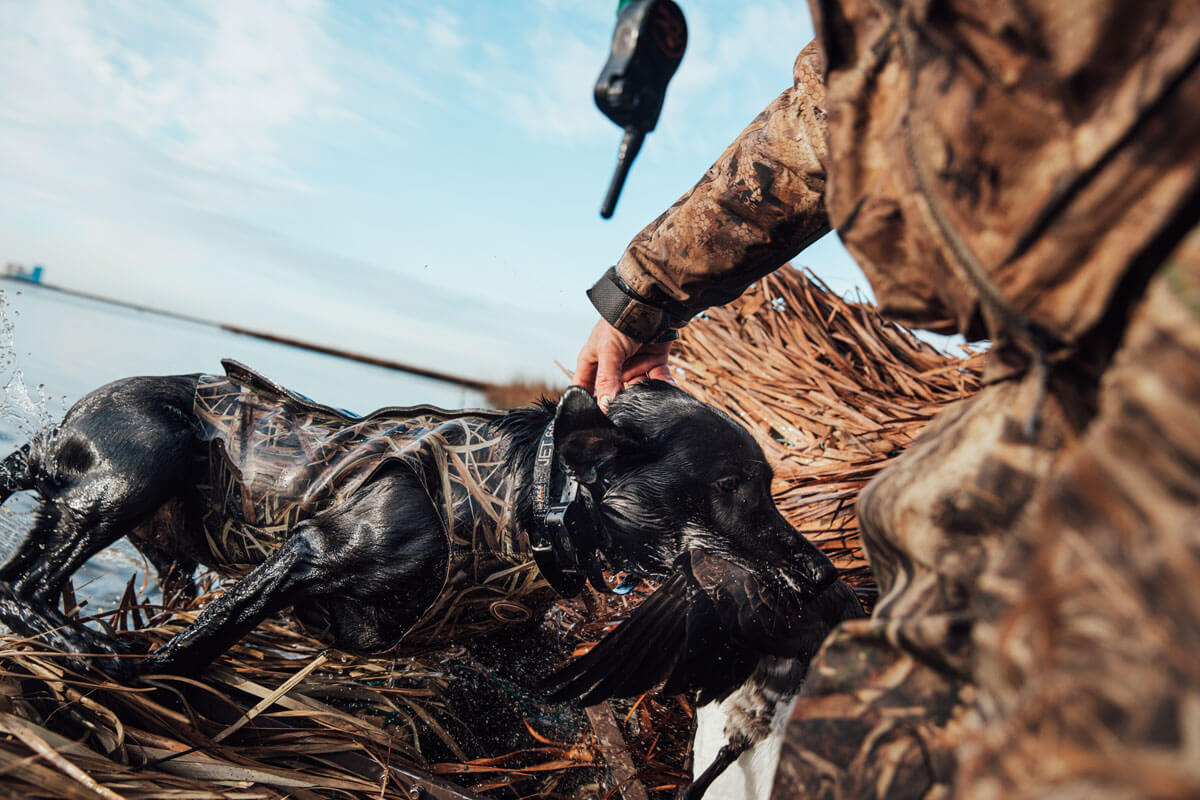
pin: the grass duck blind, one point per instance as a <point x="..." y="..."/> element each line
<point x="831" y="391"/>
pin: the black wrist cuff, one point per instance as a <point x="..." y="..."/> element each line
<point x="620" y="307"/>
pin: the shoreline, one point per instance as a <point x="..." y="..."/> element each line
<point x="445" y="377"/>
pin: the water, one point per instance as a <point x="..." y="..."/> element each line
<point x="55" y="347"/>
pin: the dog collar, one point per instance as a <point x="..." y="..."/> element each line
<point x="568" y="534"/>
<point x="543" y="467"/>
<point x="551" y="546"/>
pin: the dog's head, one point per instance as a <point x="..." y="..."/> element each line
<point x="678" y="474"/>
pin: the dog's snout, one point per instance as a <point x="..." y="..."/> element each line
<point x="810" y="566"/>
<point x="824" y="574"/>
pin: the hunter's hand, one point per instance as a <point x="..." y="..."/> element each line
<point x="611" y="360"/>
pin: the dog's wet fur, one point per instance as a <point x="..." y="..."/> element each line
<point x="676" y="474"/>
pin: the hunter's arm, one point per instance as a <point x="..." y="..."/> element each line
<point x="759" y="205"/>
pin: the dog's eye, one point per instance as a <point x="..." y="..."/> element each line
<point x="729" y="483"/>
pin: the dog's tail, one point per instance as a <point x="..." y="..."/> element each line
<point x="15" y="473"/>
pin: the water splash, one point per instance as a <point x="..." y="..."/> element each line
<point x="23" y="414"/>
<point x="30" y="410"/>
<point x="22" y="409"/>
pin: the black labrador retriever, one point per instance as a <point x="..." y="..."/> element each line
<point x="411" y="526"/>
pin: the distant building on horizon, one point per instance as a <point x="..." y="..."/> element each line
<point x="18" y="271"/>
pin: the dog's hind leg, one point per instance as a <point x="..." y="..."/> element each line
<point x="84" y="519"/>
<point x="35" y="619"/>
<point x="16" y="476"/>
<point x="119" y="455"/>
<point x="63" y="537"/>
<point x="383" y="547"/>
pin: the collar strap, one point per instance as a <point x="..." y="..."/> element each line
<point x="549" y="540"/>
<point x="567" y="534"/>
<point x="543" y="468"/>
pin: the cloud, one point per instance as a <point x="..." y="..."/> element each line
<point x="214" y="85"/>
<point x="550" y="97"/>
<point x="538" y="80"/>
<point x="739" y="58"/>
<point x="264" y="70"/>
<point x="443" y="30"/>
<point x="760" y="39"/>
<point x="542" y="86"/>
<point x="538" y="83"/>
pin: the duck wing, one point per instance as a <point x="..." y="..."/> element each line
<point x="704" y="629"/>
<point x="765" y="611"/>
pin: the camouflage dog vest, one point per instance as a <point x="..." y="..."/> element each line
<point x="275" y="458"/>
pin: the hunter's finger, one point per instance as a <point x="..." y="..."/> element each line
<point x="608" y="374"/>
<point x="662" y="373"/>
<point x="640" y="366"/>
<point x="585" y="369"/>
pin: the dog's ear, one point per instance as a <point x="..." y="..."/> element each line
<point x="585" y="437"/>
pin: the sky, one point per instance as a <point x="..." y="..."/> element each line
<point x="416" y="181"/>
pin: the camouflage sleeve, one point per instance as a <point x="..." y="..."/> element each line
<point x="759" y="205"/>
